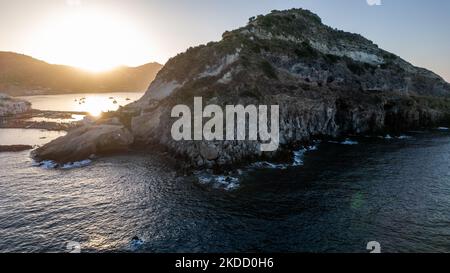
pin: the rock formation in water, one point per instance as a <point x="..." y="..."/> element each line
<point x="14" y="148"/>
<point x="10" y="106"/>
<point x="327" y="83"/>
<point x="87" y="141"/>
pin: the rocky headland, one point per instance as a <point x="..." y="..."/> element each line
<point x="44" y="120"/>
<point x="327" y="83"/>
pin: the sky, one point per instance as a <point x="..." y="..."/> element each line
<point x="100" y="34"/>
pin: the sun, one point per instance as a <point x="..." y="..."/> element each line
<point x="94" y="40"/>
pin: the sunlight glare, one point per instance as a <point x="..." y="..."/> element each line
<point x="90" y="39"/>
<point x="96" y="105"/>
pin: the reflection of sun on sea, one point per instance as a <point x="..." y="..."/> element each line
<point x="95" y="105"/>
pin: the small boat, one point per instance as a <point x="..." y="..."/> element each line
<point x="115" y="102"/>
<point x="128" y="99"/>
<point x="111" y="98"/>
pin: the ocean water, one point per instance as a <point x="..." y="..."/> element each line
<point x="93" y="103"/>
<point x="336" y="198"/>
<point x="27" y="136"/>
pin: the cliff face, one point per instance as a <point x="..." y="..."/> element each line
<point x="23" y="75"/>
<point x="295" y="45"/>
<point x="326" y="83"/>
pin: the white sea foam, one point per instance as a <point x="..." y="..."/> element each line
<point x="349" y="142"/>
<point x="136" y="244"/>
<point x="269" y="165"/>
<point x="231" y="181"/>
<point x="345" y="142"/>
<point x="35" y="163"/>
<point x="298" y="157"/>
<point x="78" y="164"/>
<point x="297" y="160"/>
<point x="224" y="182"/>
<point x="300" y="154"/>
<point x="50" y="164"/>
<point x="312" y="148"/>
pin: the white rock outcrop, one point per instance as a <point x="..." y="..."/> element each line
<point x="85" y="141"/>
<point x="11" y="106"/>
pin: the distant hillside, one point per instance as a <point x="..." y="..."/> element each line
<point x="24" y="75"/>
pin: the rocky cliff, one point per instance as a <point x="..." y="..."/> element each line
<point x="327" y="83"/>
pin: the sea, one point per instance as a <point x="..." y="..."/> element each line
<point x="335" y="196"/>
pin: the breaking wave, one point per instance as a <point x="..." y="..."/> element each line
<point x="220" y="182"/>
<point x="50" y="164"/>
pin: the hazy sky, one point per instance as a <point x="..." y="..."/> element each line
<point x="101" y="33"/>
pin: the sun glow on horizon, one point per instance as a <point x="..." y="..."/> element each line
<point x="90" y="39"/>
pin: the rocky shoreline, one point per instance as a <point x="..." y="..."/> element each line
<point x="37" y="119"/>
<point x="18" y="113"/>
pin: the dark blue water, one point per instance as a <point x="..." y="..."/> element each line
<point x="396" y="192"/>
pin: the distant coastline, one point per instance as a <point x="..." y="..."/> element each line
<point x="22" y="75"/>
